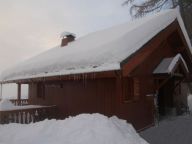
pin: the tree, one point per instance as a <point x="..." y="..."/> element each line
<point x="147" y="6"/>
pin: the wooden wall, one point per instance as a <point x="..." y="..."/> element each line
<point x="77" y="96"/>
<point x="93" y="96"/>
<point x="141" y="112"/>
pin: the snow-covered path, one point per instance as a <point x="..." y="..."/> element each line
<point x="177" y="130"/>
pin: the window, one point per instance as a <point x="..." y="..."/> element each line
<point x="40" y="90"/>
<point x="131" y="89"/>
<point x="136" y="88"/>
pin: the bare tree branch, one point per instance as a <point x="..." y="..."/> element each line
<point x="139" y="10"/>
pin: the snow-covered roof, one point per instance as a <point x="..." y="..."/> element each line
<point x="168" y="65"/>
<point x="99" y="51"/>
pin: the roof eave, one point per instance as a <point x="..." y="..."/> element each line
<point x="80" y="76"/>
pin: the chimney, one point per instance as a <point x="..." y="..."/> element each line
<point x="67" y="37"/>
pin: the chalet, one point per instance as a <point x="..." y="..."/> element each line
<point x="136" y="70"/>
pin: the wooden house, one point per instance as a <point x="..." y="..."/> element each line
<point x="131" y="71"/>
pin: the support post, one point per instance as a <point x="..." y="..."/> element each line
<point x="19" y="93"/>
<point x="1" y="91"/>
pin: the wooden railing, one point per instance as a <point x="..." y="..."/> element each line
<point x="25" y="116"/>
<point x="20" y="102"/>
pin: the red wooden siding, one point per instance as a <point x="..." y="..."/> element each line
<point x="122" y="93"/>
<point x="77" y="96"/>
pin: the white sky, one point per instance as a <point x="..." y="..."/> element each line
<point x="28" y="27"/>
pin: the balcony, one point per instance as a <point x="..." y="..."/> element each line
<point x="24" y="113"/>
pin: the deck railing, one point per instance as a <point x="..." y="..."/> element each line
<point x="25" y="116"/>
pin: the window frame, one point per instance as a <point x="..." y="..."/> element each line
<point x="131" y="89"/>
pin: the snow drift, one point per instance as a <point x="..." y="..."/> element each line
<point x="82" y="129"/>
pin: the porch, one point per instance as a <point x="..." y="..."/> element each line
<point x="23" y="113"/>
<point x="171" y="86"/>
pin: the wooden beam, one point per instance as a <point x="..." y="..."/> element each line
<point x="19" y="91"/>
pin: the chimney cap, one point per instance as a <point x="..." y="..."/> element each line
<point x="66" y="34"/>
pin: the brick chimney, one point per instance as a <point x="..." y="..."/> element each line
<point x="67" y="37"/>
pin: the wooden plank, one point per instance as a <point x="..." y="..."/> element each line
<point x="19" y="92"/>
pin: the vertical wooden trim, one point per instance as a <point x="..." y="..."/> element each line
<point x="18" y="91"/>
<point x="119" y="93"/>
<point x="1" y="90"/>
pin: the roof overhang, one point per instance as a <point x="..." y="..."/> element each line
<point x="79" y="76"/>
<point x="169" y="66"/>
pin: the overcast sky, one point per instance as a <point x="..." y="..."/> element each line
<point x="28" y="27"/>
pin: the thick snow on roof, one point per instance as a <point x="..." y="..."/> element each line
<point x="98" y="51"/>
<point x="167" y="65"/>
<point x="81" y="129"/>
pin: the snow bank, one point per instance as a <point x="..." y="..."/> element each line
<point x="5" y="104"/>
<point x="82" y="129"/>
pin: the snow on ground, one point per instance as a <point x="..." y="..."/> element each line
<point x="177" y="130"/>
<point x="82" y="129"/>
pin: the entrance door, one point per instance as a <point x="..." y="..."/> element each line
<point x="166" y="99"/>
<point x="172" y="98"/>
